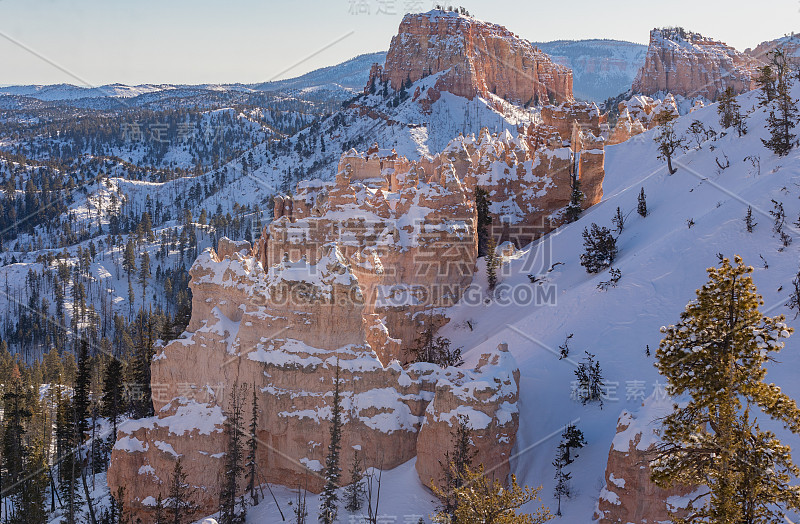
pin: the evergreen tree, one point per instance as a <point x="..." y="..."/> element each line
<point x="484" y="219"/>
<point x="794" y="298"/>
<point x="668" y="140"/>
<point x="730" y="113"/>
<point x="783" y="111"/>
<point x="144" y="272"/>
<point x="748" y="220"/>
<point x="766" y="81"/>
<point x="641" y="206"/>
<point x="129" y="258"/>
<point x="600" y="249"/>
<point x="618" y="221"/>
<point x="179" y="504"/>
<point x="329" y="498"/>
<point x="159" y="513"/>
<point x="571" y="438"/>
<point x="457" y="462"/>
<point x="574" y="209"/>
<point x="562" y="488"/>
<point x="82" y="390"/>
<point x="355" y="491"/>
<point x="590" y="381"/>
<point x="252" y="449"/>
<point x="142" y="403"/>
<point x="482" y="500"/>
<point x="491" y="264"/>
<point x="715" y="357"/>
<point x="435" y="349"/>
<point x="228" y="511"/>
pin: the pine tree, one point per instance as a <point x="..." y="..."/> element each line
<point x="82" y="390"/>
<point x="144" y="272"/>
<point x="782" y="117"/>
<point x="252" y="449"/>
<point x="600" y="249"/>
<point x="748" y="220"/>
<point x="159" y="514"/>
<point x="730" y="113"/>
<point x="571" y="438"/>
<point x="766" y="81"/>
<point x="715" y="357"/>
<point x="491" y="264"/>
<point x="484" y="219"/>
<point x="179" y="503"/>
<point x="228" y="513"/>
<point x="618" y="221"/>
<point x="482" y="500"/>
<point x="573" y="210"/>
<point x="641" y="207"/>
<point x="329" y="498"/>
<point x="456" y="463"/>
<point x="435" y="349"/>
<point x="668" y="140"/>
<point x="794" y="298"/>
<point x="562" y="488"/>
<point x="355" y="491"/>
<point x="142" y="404"/>
<point x="590" y="381"/>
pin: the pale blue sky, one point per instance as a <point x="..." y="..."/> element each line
<point x="198" y="41"/>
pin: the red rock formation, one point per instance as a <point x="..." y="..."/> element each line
<point x="284" y="331"/>
<point x="691" y="65"/>
<point x="345" y="275"/>
<point x="790" y="45"/>
<point x="629" y="495"/>
<point x="474" y="58"/>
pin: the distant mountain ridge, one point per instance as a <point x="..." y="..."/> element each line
<point x="600" y="68"/>
<point x="339" y="80"/>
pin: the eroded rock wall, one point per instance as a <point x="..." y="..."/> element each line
<point x="688" y="64"/>
<point x="475" y="58"/>
<point x="629" y="495"/>
<point x="284" y="332"/>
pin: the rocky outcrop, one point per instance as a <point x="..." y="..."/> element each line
<point x="789" y="44"/>
<point x="629" y="495"/>
<point x="471" y="58"/>
<point x="688" y="64"/>
<point x="345" y="277"/>
<point x="639" y="114"/>
<point x="284" y="332"/>
<point x="490" y="427"/>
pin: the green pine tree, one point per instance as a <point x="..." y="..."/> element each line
<point x="491" y="264"/>
<point x="484" y="219"/>
<point x="574" y="208"/>
<point x="232" y="468"/>
<point x="730" y="113"/>
<point x="641" y="206"/>
<point x="355" y="491"/>
<point x="252" y="449"/>
<point x="455" y="465"/>
<point x="782" y="118"/>
<point x="329" y="497"/>
<point x="714" y="357"/>
<point x="669" y="143"/>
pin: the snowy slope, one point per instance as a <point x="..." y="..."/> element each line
<point x="662" y="261"/>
